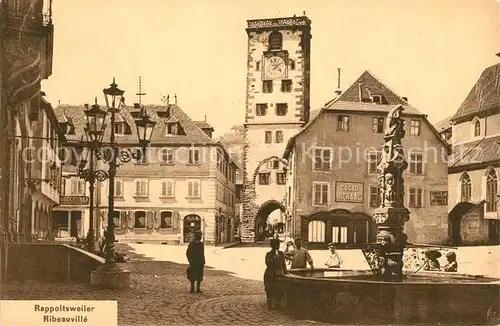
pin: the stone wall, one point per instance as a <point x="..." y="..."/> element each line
<point x="50" y="263"/>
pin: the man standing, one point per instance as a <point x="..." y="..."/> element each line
<point x="275" y="268"/>
<point x="195" y="254"/>
<point x="299" y="256"/>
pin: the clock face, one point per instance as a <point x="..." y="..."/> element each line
<point x="275" y="67"/>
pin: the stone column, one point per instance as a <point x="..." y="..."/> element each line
<point x="391" y="215"/>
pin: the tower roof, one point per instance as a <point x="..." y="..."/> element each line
<point x="483" y="96"/>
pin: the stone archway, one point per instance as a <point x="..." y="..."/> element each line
<point x="264" y="161"/>
<point x="262" y="216"/>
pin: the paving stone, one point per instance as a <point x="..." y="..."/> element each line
<point x="165" y="299"/>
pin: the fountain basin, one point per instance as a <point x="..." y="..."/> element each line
<point x="356" y="297"/>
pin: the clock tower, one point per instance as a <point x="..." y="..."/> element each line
<point x="277" y="106"/>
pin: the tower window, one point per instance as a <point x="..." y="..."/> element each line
<point x="291" y="64"/>
<point x="268" y="137"/>
<point x="261" y="109"/>
<point x="286" y="86"/>
<point x="281" y="109"/>
<point x="279" y="136"/>
<point x="267" y="86"/>
<point x="257" y="65"/>
<point x="264" y="178"/>
<point x="275" y="41"/>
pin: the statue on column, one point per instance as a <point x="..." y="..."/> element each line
<point x="391" y="215"/>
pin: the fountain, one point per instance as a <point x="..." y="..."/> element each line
<point x="385" y="295"/>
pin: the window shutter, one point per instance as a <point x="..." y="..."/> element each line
<point x="149" y="220"/>
<point x="156" y="220"/>
<point x="131" y="219"/>
<point x="190" y="188"/>
<point x="196" y="189"/>
<point x="175" y="220"/>
<point x="164" y="188"/>
<point x="123" y="219"/>
<point x="73" y="187"/>
<point x="137" y="188"/>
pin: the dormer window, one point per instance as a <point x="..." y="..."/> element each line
<point x="171" y="129"/>
<point x="377" y="99"/>
<point x="119" y="128"/>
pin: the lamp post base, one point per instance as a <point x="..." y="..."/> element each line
<point x="110" y="276"/>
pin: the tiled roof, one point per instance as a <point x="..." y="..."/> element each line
<point x="350" y="101"/>
<point x="484" y="95"/>
<point x="370" y="86"/>
<point x="443" y="124"/>
<point x="370" y="107"/>
<point x="193" y="134"/>
<point x="480" y="151"/>
<point x="204" y="125"/>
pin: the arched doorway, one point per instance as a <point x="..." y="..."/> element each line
<point x="455" y="217"/>
<point x="262" y="232"/>
<point x="340" y="226"/>
<point x="191" y="224"/>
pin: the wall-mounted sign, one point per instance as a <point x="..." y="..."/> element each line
<point x="439" y="198"/>
<point x="74" y="200"/>
<point x="349" y="192"/>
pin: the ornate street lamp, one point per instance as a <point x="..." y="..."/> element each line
<point x="94" y="132"/>
<point x="95" y="122"/>
<point x="145" y="128"/>
<point x="110" y="274"/>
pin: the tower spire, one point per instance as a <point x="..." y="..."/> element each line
<point x="140" y="93"/>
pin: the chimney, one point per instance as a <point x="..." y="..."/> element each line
<point x="175" y="99"/>
<point x="360" y="92"/>
<point x="338" y="91"/>
<point x="205" y="118"/>
<point x="58" y="102"/>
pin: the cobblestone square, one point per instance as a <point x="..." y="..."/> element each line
<point x="233" y="293"/>
<point x="160" y="295"/>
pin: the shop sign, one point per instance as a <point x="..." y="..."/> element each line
<point x="74" y="200"/>
<point x="349" y="192"/>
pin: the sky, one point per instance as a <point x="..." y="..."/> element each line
<point x="429" y="51"/>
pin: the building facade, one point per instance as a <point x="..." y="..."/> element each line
<point x="184" y="182"/>
<point x="277" y="106"/>
<point x="28" y="188"/>
<point x="474" y="165"/>
<point x="332" y="187"/>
